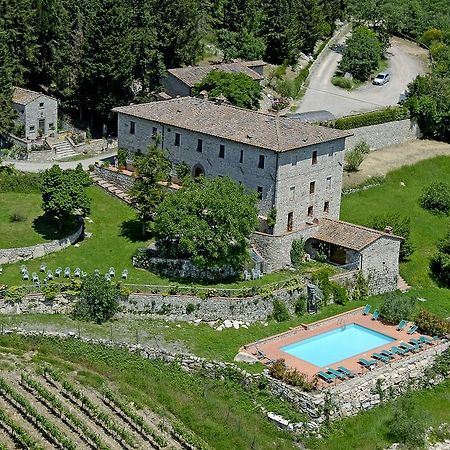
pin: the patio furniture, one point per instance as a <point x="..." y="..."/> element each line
<point x="366" y="309"/>
<point x="49" y="275"/>
<point x="413" y="329"/>
<point x="107" y="277"/>
<point x="247" y="276"/>
<point x="83" y="274"/>
<point x="34" y="277"/>
<point x="402" y="325"/>
<point x="258" y="274"/>
<point x="23" y="269"/>
<point x="77" y="272"/>
<point x="43" y="267"/>
<point x="25" y="275"/>
<point x="254" y="276"/>
<point x="387" y="353"/>
<point x="96" y="273"/>
<point x="380" y="357"/>
<point x="367" y="362"/>
<point x="125" y="274"/>
<point x="112" y="272"/>
<point x="67" y="272"/>
<point x="328" y="377"/>
<point x="398" y="351"/>
<point x="426" y="340"/>
<point x="337" y="374"/>
<point x="346" y="371"/>
<point x="58" y="271"/>
<point x="406" y="346"/>
<point x="375" y="314"/>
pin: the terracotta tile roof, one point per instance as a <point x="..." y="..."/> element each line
<point x="348" y="235"/>
<point x="23" y="96"/>
<point x="191" y="75"/>
<point x="253" y="128"/>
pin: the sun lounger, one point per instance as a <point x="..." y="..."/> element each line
<point x="366" y="309"/>
<point x="337" y="374"/>
<point x="107" y="277"/>
<point x="43" y="267"/>
<point x="367" y="362"/>
<point x="49" y="275"/>
<point x="425" y="340"/>
<point x="67" y="272"/>
<point x="402" y="325"/>
<point x="58" y="271"/>
<point x="125" y="274"/>
<point x="412" y="330"/>
<point x="326" y="376"/>
<point x="23" y="269"/>
<point x="414" y="341"/>
<point x="380" y="357"/>
<point x="375" y="314"/>
<point x="247" y="276"/>
<point x="77" y="272"/>
<point x="112" y="272"/>
<point x="406" y="346"/>
<point x="25" y="275"/>
<point x="387" y="353"/>
<point x="346" y="371"/>
<point x="398" y="350"/>
<point x="96" y="273"/>
<point x="34" y="277"/>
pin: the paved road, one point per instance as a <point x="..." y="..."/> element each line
<point x="29" y="166"/>
<point x="405" y="63"/>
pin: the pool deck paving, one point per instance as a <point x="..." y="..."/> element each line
<point x="271" y="347"/>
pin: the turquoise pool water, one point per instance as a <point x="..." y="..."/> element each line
<point x="344" y="342"/>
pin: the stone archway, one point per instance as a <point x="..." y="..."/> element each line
<point x="198" y="171"/>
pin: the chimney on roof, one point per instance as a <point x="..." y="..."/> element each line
<point x="221" y="99"/>
<point x="388" y="230"/>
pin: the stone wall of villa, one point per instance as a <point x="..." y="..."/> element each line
<point x="120" y="180"/>
<point x="13" y="255"/>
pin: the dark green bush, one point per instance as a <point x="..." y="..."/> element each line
<point x="297" y="252"/>
<point x="280" y="371"/>
<point x="190" y="308"/>
<point x="440" y="266"/>
<point x="344" y="83"/>
<point x="397" y="307"/>
<point x="432" y="324"/>
<point x="389" y="114"/>
<point x="436" y="198"/>
<point x="354" y="158"/>
<point x="122" y="155"/>
<point x="11" y="180"/>
<point x="280" y="312"/>
<point x="300" y="306"/>
<point x="340" y="294"/>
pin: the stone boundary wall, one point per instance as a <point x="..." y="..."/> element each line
<point x="13" y="255"/>
<point x="346" y="399"/>
<point x="120" y="180"/>
<point x="384" y="134"/>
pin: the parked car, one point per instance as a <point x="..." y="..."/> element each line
<point x="382" y="78"/>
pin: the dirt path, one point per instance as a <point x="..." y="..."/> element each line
<point x="380" y="162"/>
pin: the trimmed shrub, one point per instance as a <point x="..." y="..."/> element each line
<point x="440" y="266"/>
<point x="344" y="83"/>
<point x="122" y="155"/>
<point x="361" y="289"/>
<point x="297" y="252"/>
<point x="389" y="114"/>
<point x="280" y="312"/>
<point x="280" y="371"/>
<point x="436" y="198"/>
<point x="432" y="324"/>
<point x="353" y="159"/>
<point x="397" y="307"/>
<point x="340" y="295"/>
<point x="300" y="306"/>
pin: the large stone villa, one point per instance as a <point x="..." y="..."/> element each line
<point x="294" y="167"/>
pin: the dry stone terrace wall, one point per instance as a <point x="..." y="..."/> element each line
<point x="120" y="180"/>
<point x="13" y="255"/>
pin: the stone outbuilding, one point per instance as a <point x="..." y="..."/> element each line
<point x="37" y="112"/>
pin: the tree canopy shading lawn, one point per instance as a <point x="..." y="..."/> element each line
<point x="426" y="228"/>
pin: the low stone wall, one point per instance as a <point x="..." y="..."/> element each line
<point x="384" y="134"/>
<point x="13" y="255"/>
<point x="120" y="180"/>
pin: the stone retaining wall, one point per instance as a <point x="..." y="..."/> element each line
<point x="13" y="255"/>
<point x="384" y="134"/>
<point x="123" y="182"/>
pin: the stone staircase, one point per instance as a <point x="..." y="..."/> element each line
<point x="111" y="188"/>
<point x="402" y="285"/>
<point x="63" y="149"/>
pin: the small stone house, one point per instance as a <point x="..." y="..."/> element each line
<point x="36" y="111"/>
<point x="180" y="81"/>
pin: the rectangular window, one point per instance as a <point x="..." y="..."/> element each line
<point x="51" y="126"/>
<point x="331" y="152"/>
<point x="312" y="187"/>
<point x="292" y="192"/>
<point x="177" y="139"/>
<point x="326" y="207"/>
<point x="290" y="221"/>
<point x="200" y="145"/>
<point x="154" y="132"/>
<point x="41" y="105"/>
<point x="294" y="159"/>
<point x="314" y="157"/>
<point x="310" y="211"/>
<point x="328" y="182"/>
<point x="32" y="128"/>
<point x="260" y="192"/>
<point x="241" y="157"/>
<point x="222" y="151"/>
<point x="261" y="162"/>
<point x="132" y="127"/>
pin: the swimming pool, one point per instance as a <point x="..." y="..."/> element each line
<point x="336" y="345"/>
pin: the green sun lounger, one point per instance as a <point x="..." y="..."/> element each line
<point x="387" y="353"/>
<point x="346" y="371"/>
<point x="402" y="325"/>
<point x="412" y="330"/>
<point x="375" y="314"/>
<point x="366" y="309"/>
<point x="326" y="376"/>
<point x="426" y="340"/>
<point x="380" y="357"/>
<point x="367" y="362"/>
<point x="414" y="342"/>
<point x="337" y="374"/>
<point x="398" y="350"/>
<point x="406" y="346"/>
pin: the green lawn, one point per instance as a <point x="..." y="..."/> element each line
<point x="426" y="228"/>
<point x="31" y="229"/>
<point x="221" y="412"/>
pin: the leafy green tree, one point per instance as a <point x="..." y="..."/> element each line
<point x="98" y="300"/>
<point x="436" y="197"/>
<point x="429" y="104"/>
<point x="147" y="191"/>
<point x="238" y="88"/>
<point x="440" y="262"/>
<point x="397" y="307"/>
<point x="362" y="54"/>
<point x="7" y="114"/>
<point x="297" y="252"/>
<point x="207" y="221"/>
<point x="63" y="193"/>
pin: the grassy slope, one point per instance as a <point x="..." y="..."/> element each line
<point x="220" y="412"/>
<point x="426" y="228"/>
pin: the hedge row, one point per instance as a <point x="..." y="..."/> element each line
<point x="389" y="114"/>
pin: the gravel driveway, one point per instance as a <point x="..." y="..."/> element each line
<point x="406" y="61"/>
